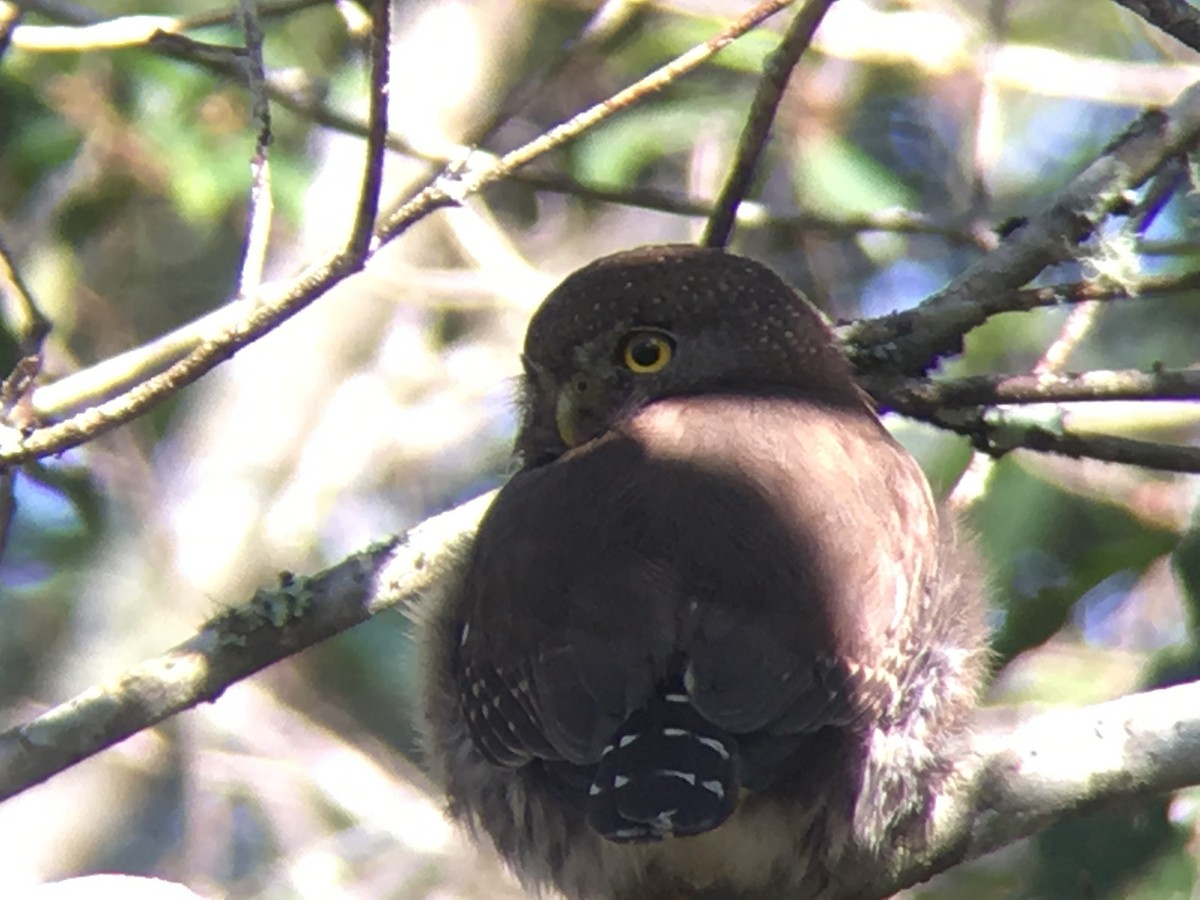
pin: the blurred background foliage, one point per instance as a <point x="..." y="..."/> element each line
<point x="123" y="190"/>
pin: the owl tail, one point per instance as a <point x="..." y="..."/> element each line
<point x="667" y="772"/>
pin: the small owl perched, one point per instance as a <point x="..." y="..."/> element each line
<point x="711" y="641"/>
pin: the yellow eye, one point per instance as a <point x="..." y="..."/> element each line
<point x="646" y="352"/>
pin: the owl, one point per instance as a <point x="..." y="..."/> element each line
<point x="713" y="639"/>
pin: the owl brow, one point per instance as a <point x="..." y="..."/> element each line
<point x="654" y="325"/>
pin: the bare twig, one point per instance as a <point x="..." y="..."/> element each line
<point x="260" y="207"/>
<point x="1037" y="767"/>
<point x="275" y="304"/>
<point x="1177" y="18"/>
<point x="16" y="387"/>
<point x="1046" y="238"/>
<point x="608" y="18"/>
<point x="756" y="132"/>
<point x="1078" y="323"/>
<point x="359" y="244"/>
<point x="87" y="32"/>
<point x="756" y="215"/>
<point x="926" y="396"/>
<point x="274" y="624"/>
<point x="869" y="340"/>
<point x="999" y="431"/>
<point x="36" y="325"/>
<point x="972" y="483"/>
<point x="227" y="61"/>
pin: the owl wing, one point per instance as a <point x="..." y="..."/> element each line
<point x="707" y="562"/>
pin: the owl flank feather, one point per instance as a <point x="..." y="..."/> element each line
<point x="713" y="639"/>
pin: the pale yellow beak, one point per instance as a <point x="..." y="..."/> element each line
<point x="566" y="416"/>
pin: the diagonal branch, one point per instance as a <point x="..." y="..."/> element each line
<point x="274" y="624"/>
<point x="753" y="142"/>
<point x="938" y="326"/>
<point x="274" y="304"/>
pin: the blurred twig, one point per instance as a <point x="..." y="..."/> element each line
<point x="753" y="142"/>
<point x="10" y="17"/>
<point x="1177" y="18"/>
<point x="927" y="396"/>
<point x="36" y="326"/>
<point x="972" y="483"/>
<point x="997" y="432"/>
<point x="92" y="32"/>
<point x="16" y="387"/>
<point x="608" y="18"/>
<point x="274" y="304"/>
<point x="359" y="244"/>
<point x="259" y="208"/>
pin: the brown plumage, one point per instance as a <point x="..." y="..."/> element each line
<point x="711" y="640"/>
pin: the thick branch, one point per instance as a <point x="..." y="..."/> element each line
<point x="1039" y="767"/>
<point x="300" y="612"/>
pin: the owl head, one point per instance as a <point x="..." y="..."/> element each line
<point x="665" y="321"/>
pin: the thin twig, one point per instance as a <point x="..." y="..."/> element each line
<point x="259" y="211"/>
<point x="226" y="61"/>
<point x="873" y="343"/>
<point x="753" y="141"/>
<point x="1046" y="238"/>
<point x="274" y="304"/>
<point x="36" y="325"/>
<point x="1075" y="327"/>
<point x="926" y="396"/>
<point x="610" y="15"/>
<point x="358" y="246"/>
<point x="973" y="482"/>
<point x="998" y="432"/>
<point x="89" y="32"/>
<point x="16" y="387"/>
<point x="755" y="215"/>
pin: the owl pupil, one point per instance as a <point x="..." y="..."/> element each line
<point x="645" y="353"/>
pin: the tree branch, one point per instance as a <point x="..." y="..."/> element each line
<point x="274" y="304"/>
<point x="938" y="326"/>
<point x="776" y="73"/>
<point x="926" y="396"/>
<point x="273" y="624"/>
<point x="997" y="432"/>
<point x="1042" y="766"/>
<point x="1023" y="769"/>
